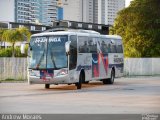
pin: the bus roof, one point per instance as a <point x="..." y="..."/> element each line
<point x="52" y="33"/>
<point x="78" y="32"/>
<point x="82" y="32"/>
<point x="111" y="36"/>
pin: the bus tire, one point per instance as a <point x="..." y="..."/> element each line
<point x="111" y="79"/>
<point x="47" y="86"/>
<point x="104" y="81"/>
<point x="79" y="84"/>
<point x="86" y="82"/>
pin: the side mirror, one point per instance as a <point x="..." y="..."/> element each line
<point x="112" y="41"/>
<point x="67" y="47"/>
<point x="23" y="48"/>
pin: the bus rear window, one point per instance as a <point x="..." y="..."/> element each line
<point x="119" y="46"/>
<point x="113" y="48"/>
<point x="119" y="49"/>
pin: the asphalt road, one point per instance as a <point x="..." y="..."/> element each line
<point x="127" y="96"/>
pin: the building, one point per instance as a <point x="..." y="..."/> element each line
<point x="108" y="10"/>
<point x="48" y="11"/>
<point x="72" y="10"/>
<point x="59" y="10"/>
<point x="29" y="11"/>
<point x="7" y="8"/>
<point x="92" y="11"/>
<point x="26" y="11"/>
<point x="65" y="24"/>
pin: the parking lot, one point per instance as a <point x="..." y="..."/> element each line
<point x="137" y="95"/>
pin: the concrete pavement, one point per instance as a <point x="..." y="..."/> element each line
<point x="126" y="96"/>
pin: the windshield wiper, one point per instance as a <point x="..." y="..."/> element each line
<point x="53" y="61"/>
<point x="40" y="60"/>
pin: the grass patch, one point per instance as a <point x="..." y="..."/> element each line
<point x="12" y="80"/>
<point x="9" y="79"/>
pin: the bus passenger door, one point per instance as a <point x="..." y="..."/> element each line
<point x="73" y="59"/>
<point x="84" y="60"/>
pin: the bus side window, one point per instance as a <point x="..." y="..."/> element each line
<point x="92" y="46"/>
<point x="73" y="52"/>
<point x="104" y="47"/>
<point x="83" y="44"/>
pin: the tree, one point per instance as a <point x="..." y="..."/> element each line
<point x="25" y="32"/>
<point x="1" y="33"/>
<point x="139" y="26"/>
<point x="15" y="35"/>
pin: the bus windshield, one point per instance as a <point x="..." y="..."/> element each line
<point x="56" y="54"/>
<point x="48" y="52"/>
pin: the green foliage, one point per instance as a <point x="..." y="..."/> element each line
<point x="15" y="35"/>
<point x="12" y="80"/>
<point x="25" y="33"/>
<point x="1" y="33"/>
<point x="139" y="26"/>
<point x="18" y="52"/>
<point x="7" y="52"/>
<point x="12" y="36"/>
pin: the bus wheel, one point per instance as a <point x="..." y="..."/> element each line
<point x="86" y="82"/>
<point x="111" y="80"/>
<point x="47" y="86"/>
<point x="79" y="84"/>
<point x="104" y="81"/>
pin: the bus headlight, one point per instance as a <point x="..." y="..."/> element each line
<point x="32" y="73"/>
<point x="62" y="72"/>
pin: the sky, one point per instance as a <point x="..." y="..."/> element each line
<point x="128" y="2"/>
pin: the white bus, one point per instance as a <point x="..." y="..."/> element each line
<point x="74" y="57"/>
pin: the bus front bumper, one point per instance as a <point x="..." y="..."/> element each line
<point x="49" y="80"/>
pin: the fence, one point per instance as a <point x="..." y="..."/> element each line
<point x="142" y="66"/>
<point x="13" y="68"/>
<point x="16" y="68"/>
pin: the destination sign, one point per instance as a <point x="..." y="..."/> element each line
<point x="40" y="39"/>
<point x="51" y="39"/>
<point x="54" y="39"/>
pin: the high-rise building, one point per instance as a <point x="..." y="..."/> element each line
<point x="59" y="10"/>
<point x="72" y="10"/>
<point x="7" y="8"/>
<point x="93" y="11"/>
<point x="108" y="10"/>
<point x="48" y="11"/>
<point x="29" y="11"/>
<point x="90" y="11"/>
<point x="26" y="11"/>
